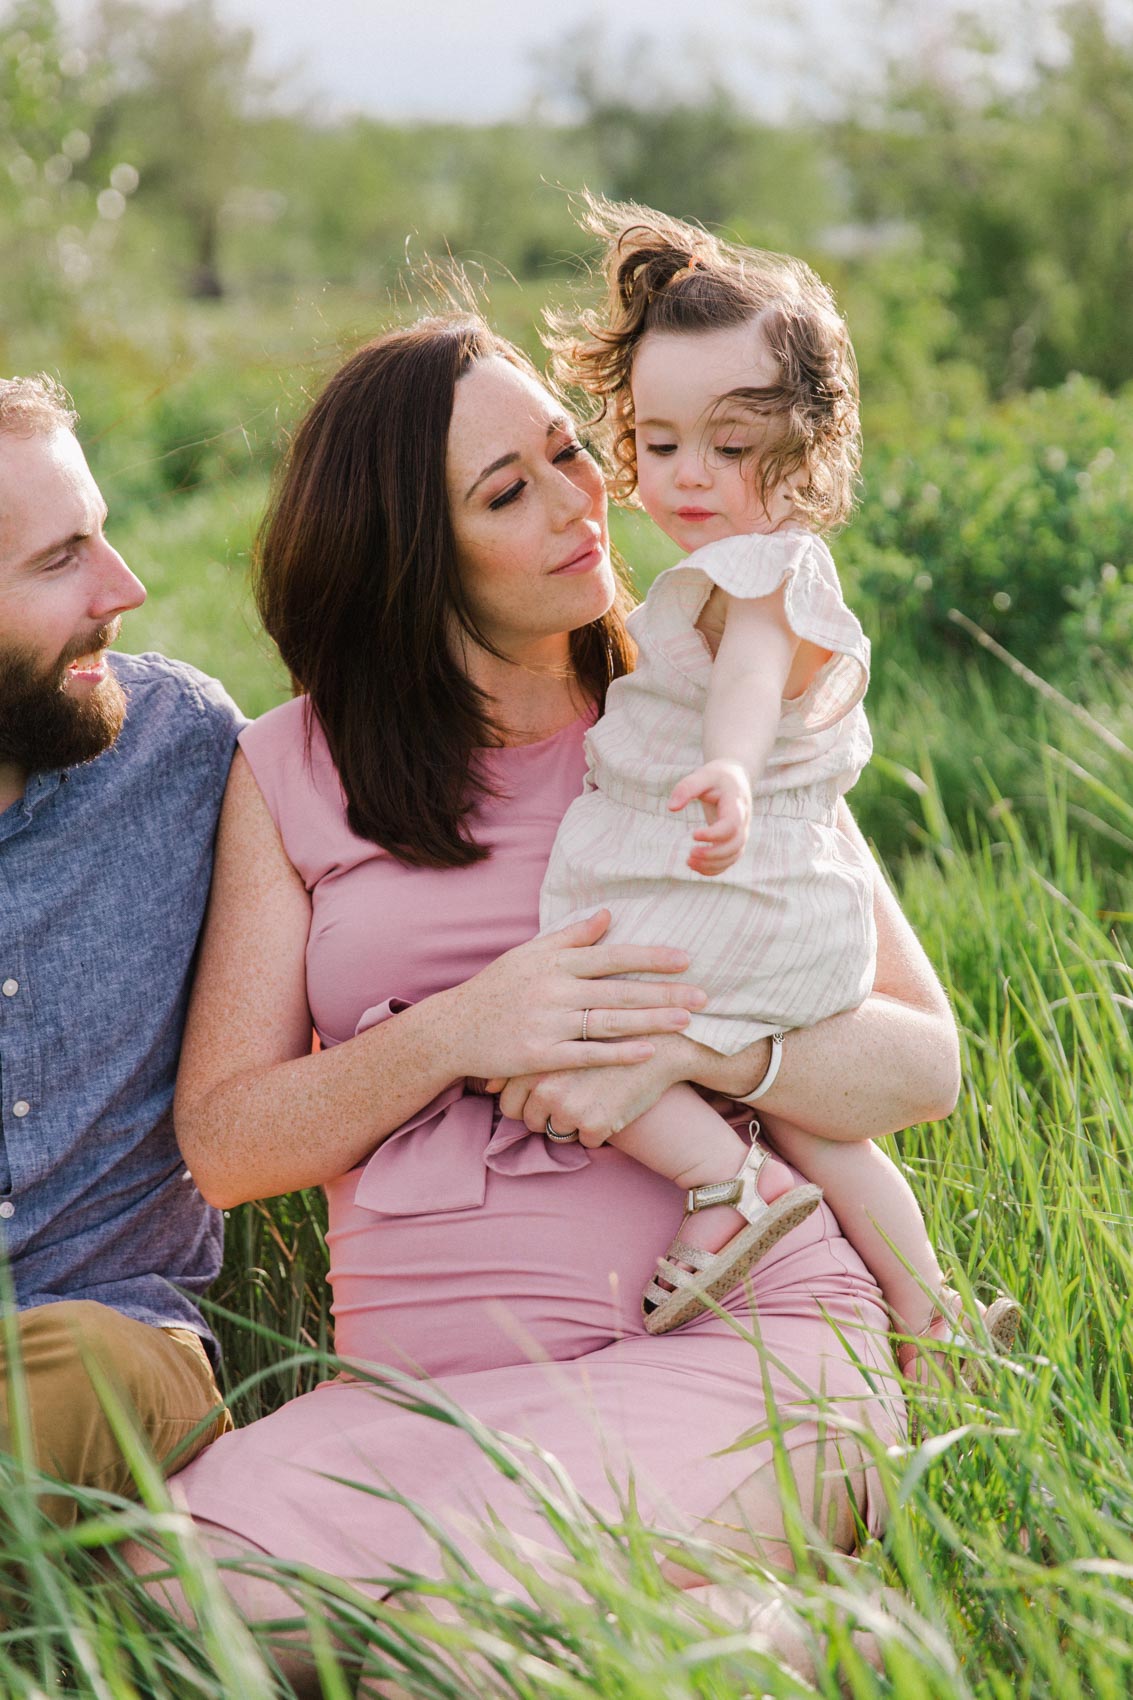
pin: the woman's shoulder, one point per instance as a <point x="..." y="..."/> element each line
<point x="286" y="749"/>
<point x="291" y="730"/>
<point x="278" y="728"/>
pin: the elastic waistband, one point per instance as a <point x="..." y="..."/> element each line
<point x="815" y="802"/>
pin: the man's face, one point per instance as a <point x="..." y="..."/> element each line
<point x="62" y="592"/>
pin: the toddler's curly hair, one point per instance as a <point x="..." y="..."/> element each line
<point x="665" y="275"/>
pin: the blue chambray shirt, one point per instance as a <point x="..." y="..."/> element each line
<point x="104" y="873"/>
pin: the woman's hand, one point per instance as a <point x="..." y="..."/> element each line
<point x="522" y="1015"/>
<point x="598" y="1102"/>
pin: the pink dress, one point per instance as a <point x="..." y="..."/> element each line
<point x="504" y="1269"/>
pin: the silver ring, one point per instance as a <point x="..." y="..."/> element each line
<point x="585" y="1019"/>
<point x="560" y="1138"/>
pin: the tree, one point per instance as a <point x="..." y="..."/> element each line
<point x="184" y="94"/>
<point x="61" y="198"/>
<point x="688" y="146"/>
<point x="1027" y="193"/>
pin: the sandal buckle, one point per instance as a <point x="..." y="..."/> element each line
<point x="712" y="1192"/>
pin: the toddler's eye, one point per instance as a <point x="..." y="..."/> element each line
<point x="660" y="448"/>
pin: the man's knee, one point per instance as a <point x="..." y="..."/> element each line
<point x="83" y="1368"/>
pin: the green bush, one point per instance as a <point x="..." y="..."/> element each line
<point x="1019" y="514"/>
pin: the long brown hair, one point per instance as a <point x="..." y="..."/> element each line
<point x="356" y="580"/>
<point x="664" y="275"/>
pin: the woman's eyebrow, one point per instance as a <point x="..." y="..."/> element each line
<point x="559" y="423"/>
<point x="504" y="460"/>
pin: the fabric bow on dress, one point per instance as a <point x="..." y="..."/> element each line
<point x="457" y="1138"/>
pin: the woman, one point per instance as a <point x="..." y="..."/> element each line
<point x="436" y="574"/>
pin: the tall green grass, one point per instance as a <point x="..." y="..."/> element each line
<point x="1010" y="1544"/>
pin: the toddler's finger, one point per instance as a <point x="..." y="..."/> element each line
<point x="692" y="785"/>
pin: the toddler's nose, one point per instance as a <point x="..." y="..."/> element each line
<point x="691" y="471"/>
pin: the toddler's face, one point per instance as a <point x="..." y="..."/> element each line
<point x="696" y="460"/>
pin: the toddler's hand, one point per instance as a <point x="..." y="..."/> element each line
<point x="725" y="790"/>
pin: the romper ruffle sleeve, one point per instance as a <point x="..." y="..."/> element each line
<point x="757" y="565"/>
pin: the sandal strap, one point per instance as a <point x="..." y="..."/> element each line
<point x="670" y="1270"/>
<point x="712" y="1192"/>
<point x="742" y="1191"/>
<point x="693" y="1254"/>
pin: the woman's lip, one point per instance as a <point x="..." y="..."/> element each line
<point x="583" y="562"/>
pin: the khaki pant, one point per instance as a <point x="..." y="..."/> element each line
<point x="161" y="1375"/>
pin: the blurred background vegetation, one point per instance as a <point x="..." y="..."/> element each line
<point x="191" y="254"/>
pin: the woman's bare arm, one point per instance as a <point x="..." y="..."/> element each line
<point x="870" y="1071"/>
<point x="867" y="1072"/>
<point x="257" y="1114"/>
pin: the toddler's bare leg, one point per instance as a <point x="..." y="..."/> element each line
<point x="879" y="1216"/>
<point x="684" y="1139"/>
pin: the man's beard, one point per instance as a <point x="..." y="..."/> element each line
<point x="42" y="725"/>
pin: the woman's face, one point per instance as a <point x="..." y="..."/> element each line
<point x="528" y="510"/>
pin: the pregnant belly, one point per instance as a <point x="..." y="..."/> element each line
<point x="550" y="1266"/>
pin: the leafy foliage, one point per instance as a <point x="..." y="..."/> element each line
<point x="1026" y="195"/>
<point x="1020" y="515"/>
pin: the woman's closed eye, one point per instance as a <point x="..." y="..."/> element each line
<point x="509" y="495"/>
<point x="569" y="452"/>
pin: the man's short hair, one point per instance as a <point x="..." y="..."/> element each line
<point x="29" y="406"/>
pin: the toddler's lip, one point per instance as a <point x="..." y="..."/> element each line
<point x="695" y="513"/>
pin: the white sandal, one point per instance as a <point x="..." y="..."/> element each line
<point x="714" y="1273"/>
<point x="995" y="1325"/>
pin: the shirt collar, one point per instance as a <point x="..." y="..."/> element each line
<point x="38" y="789"/>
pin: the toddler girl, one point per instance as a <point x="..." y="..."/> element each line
<point x="709" y="818"/>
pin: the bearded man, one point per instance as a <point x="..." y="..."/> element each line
<point x="112" y="770"/>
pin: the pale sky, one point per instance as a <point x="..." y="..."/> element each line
<point x="476" y="60"/>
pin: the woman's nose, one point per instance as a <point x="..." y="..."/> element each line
<point x="574" y="501"/>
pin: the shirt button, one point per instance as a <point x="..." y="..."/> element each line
<point x="20" y="1107"/>
<point x="7" y="1209"/>
<point x="10" y="988"/>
